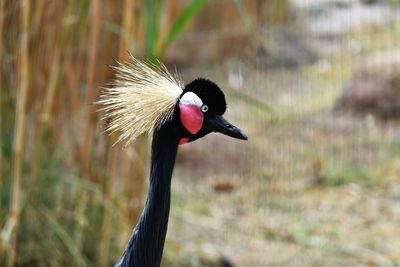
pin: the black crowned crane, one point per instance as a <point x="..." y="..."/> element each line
<point x="147" y="98"/>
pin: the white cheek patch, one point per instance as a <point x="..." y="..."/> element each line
<point x="191" y="98"/>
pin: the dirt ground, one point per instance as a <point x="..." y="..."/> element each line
<point x="310" y="187"/>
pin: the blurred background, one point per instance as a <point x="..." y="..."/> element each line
<point x="315" y="84"/>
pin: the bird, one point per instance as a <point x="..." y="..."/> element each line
<point x="146" y="98"/>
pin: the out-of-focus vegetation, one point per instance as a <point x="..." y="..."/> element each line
<point x="68" y="198"/>
<point x="312" y="187"/>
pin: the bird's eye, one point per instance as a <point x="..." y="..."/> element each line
<point x="204" y="108"/>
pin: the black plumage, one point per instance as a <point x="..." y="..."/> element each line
<point x="148" y="99"/>
<point x="209" y="92"/>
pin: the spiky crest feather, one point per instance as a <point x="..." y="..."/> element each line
<point x="141" y="98"/>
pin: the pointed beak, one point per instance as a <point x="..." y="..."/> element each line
<point x="217" y="123"/>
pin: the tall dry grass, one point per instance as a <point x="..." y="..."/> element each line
<point x="1" y="85"/>
<point x="70" y="198"/>
<point x="9" y="233"/>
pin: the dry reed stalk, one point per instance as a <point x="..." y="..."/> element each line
<point x="127" y="25"/>
<point x="71" y="79"/>
<point x="53" y="104"/>
<point x="39" y="30"/>
<point x="72" y="76"/>
<point x="106" y="225"/>
<point x="56" y="67"/>
<point x="75" y="70"/>
<point x="39" y="13"/>
<point x="110" y="39"/>
<point x="125" y="168"/>
<point x="1" y="88"/>
<point x="127" y="19"/>
<point x="10" y="231"/>
<point x="134" y="178"/>
<point x="51" y="49"/>
<point x="167" y="19"/>
<point x="94" y="35"/>
<point x="74" y="67"/>
<point x="104" y="247"/>
<point x="138" y="177"/>
<point x="138" y="27"/>
<point x="173" y="11"/>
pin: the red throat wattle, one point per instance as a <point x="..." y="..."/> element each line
<point x="183" y="141"/>
<point x="191" y="117"/>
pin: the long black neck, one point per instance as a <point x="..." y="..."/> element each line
<point x="146" y="244"/>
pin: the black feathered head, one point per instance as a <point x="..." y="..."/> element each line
<point x="144" y="96"/>
<point x="209" y="93"/>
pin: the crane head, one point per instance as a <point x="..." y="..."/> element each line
<point x="201" y="106"/>
<point x="144" y="96"/>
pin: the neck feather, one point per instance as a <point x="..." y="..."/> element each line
<point x="146" y="244"/>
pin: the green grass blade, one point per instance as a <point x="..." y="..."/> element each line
<point x="152" y="15"/>
<point x="63" y="235"/>
<point x="82" y="15"/>
<point x="252" y="101"/>
<point x="149" y="25"/>
<point x="181" y="22"/>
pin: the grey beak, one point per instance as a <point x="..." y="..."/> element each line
<point x="220" y="124"/>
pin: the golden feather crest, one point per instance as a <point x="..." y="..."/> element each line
<point x="140" y="99"/>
